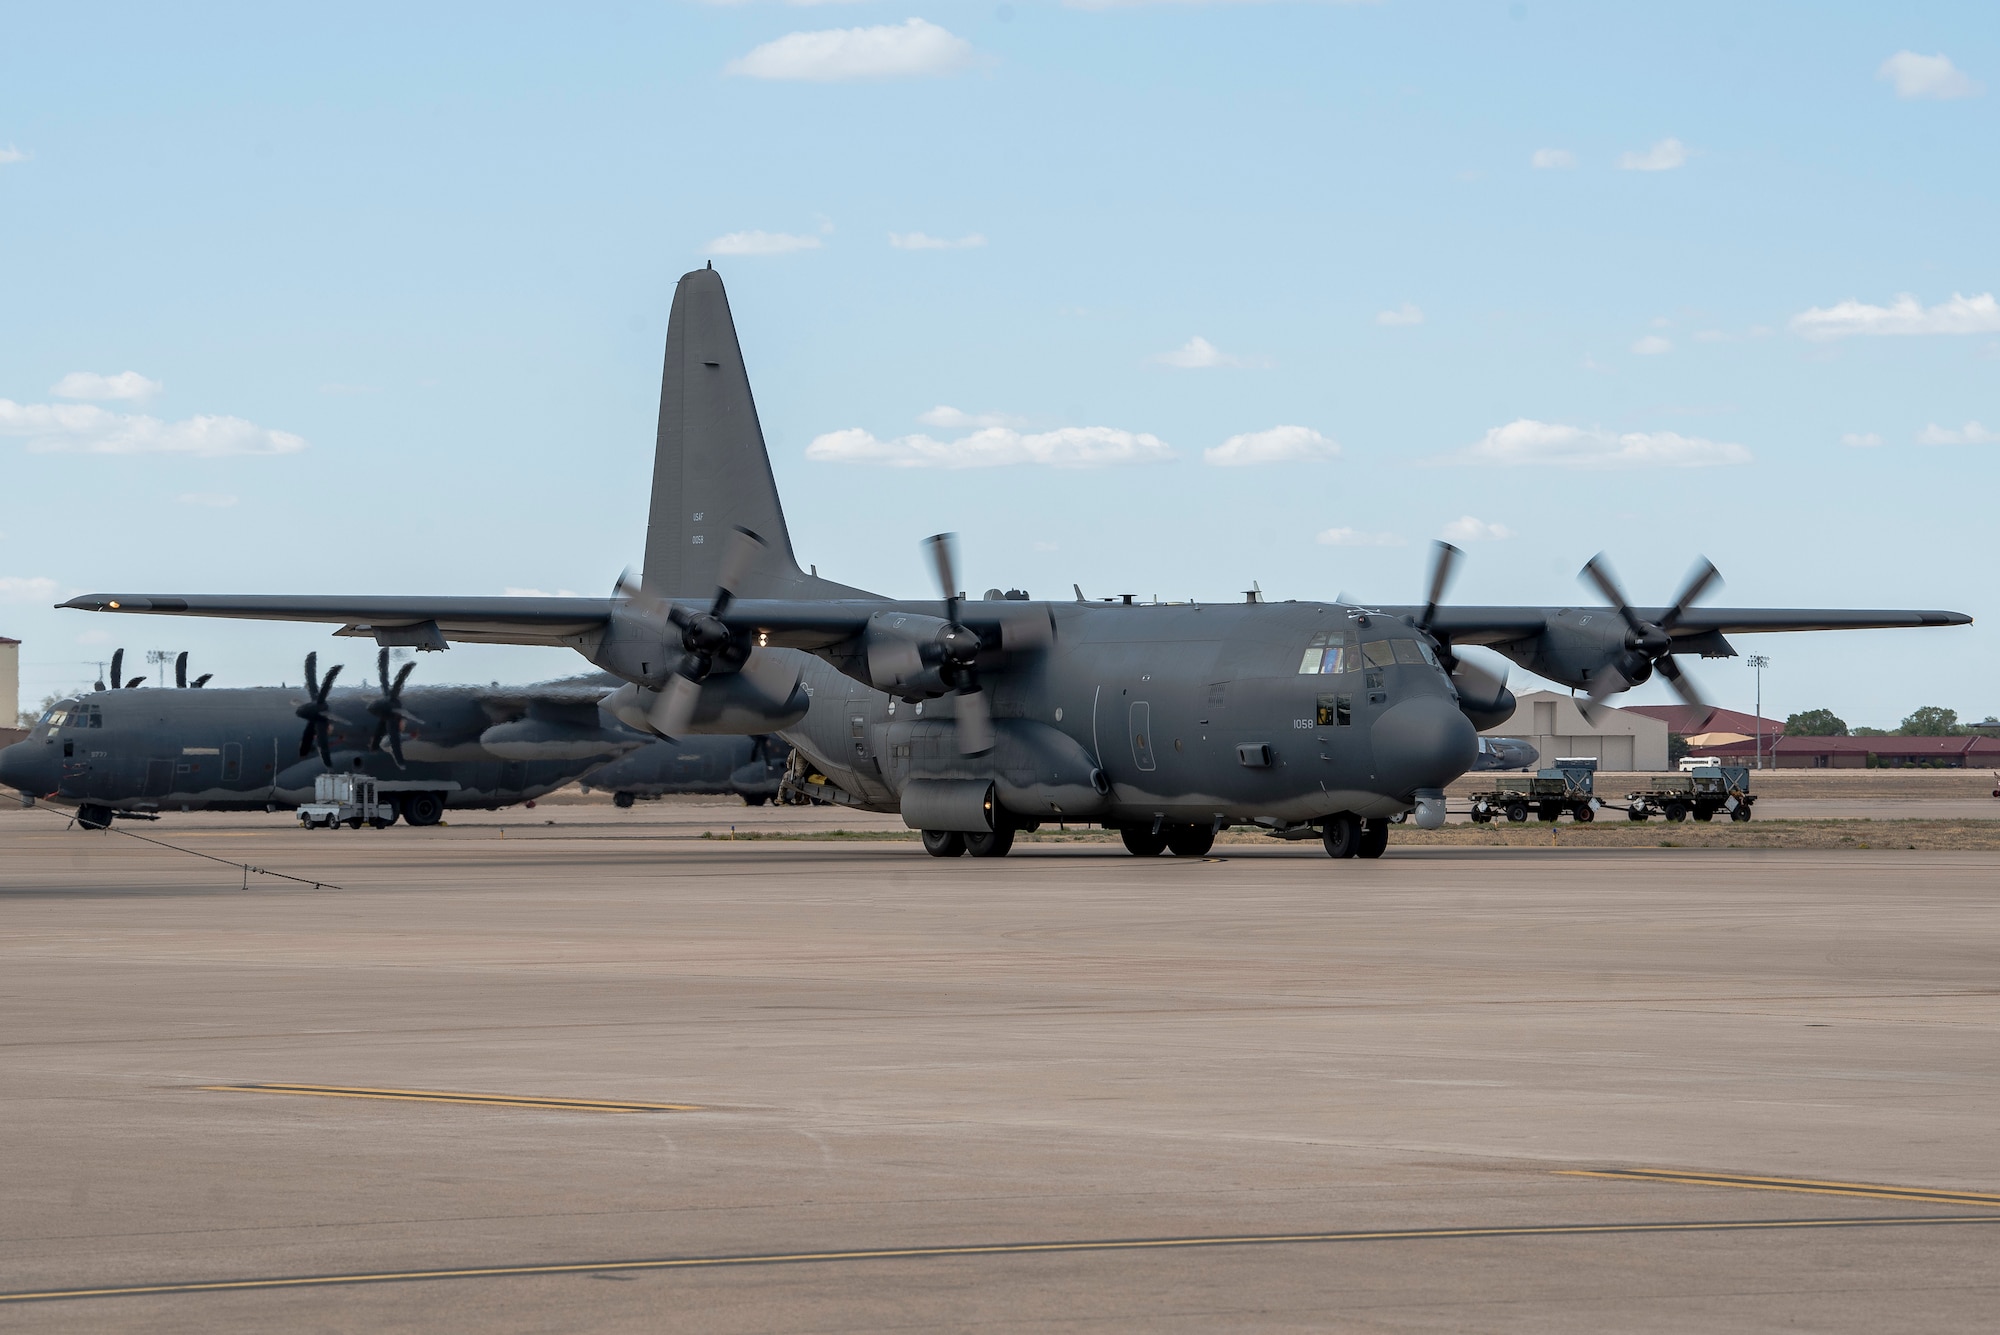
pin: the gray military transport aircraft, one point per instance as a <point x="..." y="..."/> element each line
<point x="975" y="718"/>
<point x="137" y="753"/>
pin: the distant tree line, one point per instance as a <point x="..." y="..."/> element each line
<point x="1924" y="721"/>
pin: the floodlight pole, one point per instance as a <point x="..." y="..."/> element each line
<point x="1759" y="662"/>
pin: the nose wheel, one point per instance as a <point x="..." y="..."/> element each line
<point x="1346" y="835"/>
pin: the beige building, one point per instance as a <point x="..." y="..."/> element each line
<point x="1554" y="724"/>
<point x="10" y="680"/>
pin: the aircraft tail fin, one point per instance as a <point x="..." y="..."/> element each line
<point x="711" y="471"/>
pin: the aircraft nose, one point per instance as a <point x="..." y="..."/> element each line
<point x="17" y="768"/>
<point x="1423" y="742"/>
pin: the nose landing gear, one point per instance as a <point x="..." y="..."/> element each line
<point x="1347" y="835"/>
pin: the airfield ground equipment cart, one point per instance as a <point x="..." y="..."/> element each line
<point x="347" y="799"/>
<point x="1700" y="793"/>
<point x="1546" y="793"/>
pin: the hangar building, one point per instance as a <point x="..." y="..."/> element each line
<point x="1621" y="739"/>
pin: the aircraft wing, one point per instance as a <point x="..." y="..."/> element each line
<point x="1500" y="625"/>
<point x="417" y="621"/>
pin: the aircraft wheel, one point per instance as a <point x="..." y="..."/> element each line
<point x="754" y="799"/>
<point x="1374" y="839"/>
<point x="992" y="844"/>
<point x="1341" y="835"/>
<point x="1517" y="812"/>
<point x="94" y="817"/>
<point x="1142" y="843"/>
<point x="1583" y="813"/>
<point x="1190" y="841"/>
<point x="944" y="843"/>
<point x="423" y="808"/>
<point x="623" y="801"/>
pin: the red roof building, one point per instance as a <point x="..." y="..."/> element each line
<point x="1862" y="752"/>
<point x="1693" y="720"/>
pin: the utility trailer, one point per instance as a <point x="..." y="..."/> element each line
<point x="1701" y="793"/>
<point x="1547" y="793"/>
<point x="347" y="799"/>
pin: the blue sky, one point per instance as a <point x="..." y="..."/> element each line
<point x="392" y="286"/>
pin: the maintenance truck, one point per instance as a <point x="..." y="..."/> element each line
<point x="347" y="799"/>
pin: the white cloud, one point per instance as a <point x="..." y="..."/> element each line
<point x="948" y="418"/>
<point x="1553" y="159"/>
<point x="10" y="155"/>
<point x="214" y="500"/>
<point x="1652" y="345"/>
<point x="1354" y="537"/>
<point x="1860" y="440"/>
<point x="1664" y="156"/>
<point x="1932" y="77"/>
<point x="87" y="429"/>
<point x="921" y="241"/>
<point x="1468" y="528"/>
<point x="1407" y="313"/>
<point x="1279" y="445"/>
<point x="26" y="589"/>
<point x="889" y="51"/>
<point x="1972" y="433"/>
<point x="1528" y="442"/>
<point x="993" y="447"/>
<point x="1905" y="315"/>
<point x="90" y="385"/>
<point x="760" y="243"/>
<point x="1198" y="354"/>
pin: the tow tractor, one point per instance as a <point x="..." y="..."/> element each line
<point x="347" y="799"/>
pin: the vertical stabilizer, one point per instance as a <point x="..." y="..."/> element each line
<point x="711" y="471"/>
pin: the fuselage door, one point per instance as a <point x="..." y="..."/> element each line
<point x="1142" y="734"/>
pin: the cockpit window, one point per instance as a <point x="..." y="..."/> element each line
<point x="1415" y="651"/>
<point x="55" y="718"/>
<point x="1331" y="651"/>
<point x="1379" y="653"/>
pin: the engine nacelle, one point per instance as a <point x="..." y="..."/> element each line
<point x="729" y="703"/>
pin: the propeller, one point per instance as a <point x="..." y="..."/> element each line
<point x="318" y="719"/>
<point x="1648" y="644"/>
<point x="181" y="674"/>
<point x="1444" y="564"/>
<point x="960" y="646"/>
<point x="117" y="671"/>
<point x="390" y="716"/>
<point x="704" y="636"/>
<point x="1477" y="687"/>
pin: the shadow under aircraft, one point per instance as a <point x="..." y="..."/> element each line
<point x="140" y="752"/>
<point x="978" y="718"/>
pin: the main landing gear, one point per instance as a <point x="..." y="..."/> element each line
<point x="1183" y="841"/>
<point x="1347" y="835"/>
<point x="950" y="843"/>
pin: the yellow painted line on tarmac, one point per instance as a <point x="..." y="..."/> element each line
<point x="996" y="1249"/>
<point x="453" y="1096"/>
<point x="1807" y="1185"/>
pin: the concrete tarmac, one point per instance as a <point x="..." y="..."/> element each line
<point x="1389" y="1087"/>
